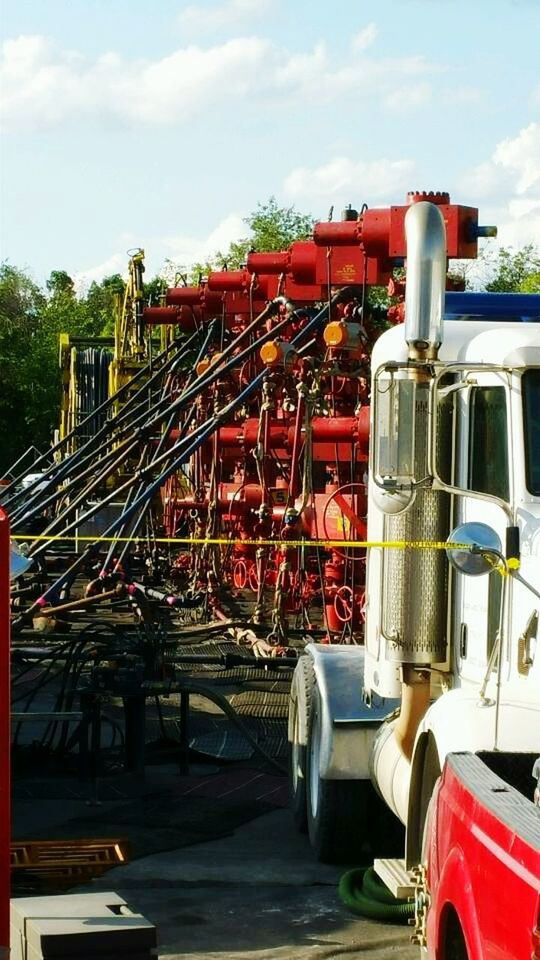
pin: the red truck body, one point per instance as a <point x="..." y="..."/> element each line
<point x="483" y="866"/>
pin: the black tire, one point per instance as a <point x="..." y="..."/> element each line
<point x="455" y="946"/>
<point x="336" y="809"/>
<point x="299" y="718"/>
<point x="386" y="831"/>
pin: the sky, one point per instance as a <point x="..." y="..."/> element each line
<point x="127" y="123"/>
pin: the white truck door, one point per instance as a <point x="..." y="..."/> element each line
<point x="483" y="465"/>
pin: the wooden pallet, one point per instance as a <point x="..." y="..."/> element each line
<point x="68" y="859"/>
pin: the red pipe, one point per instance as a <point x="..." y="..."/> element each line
<point x="153" y="315"/>
<point x="241" y="281"/>
<point x="194" y="297"/>
<point x="342" y="233"/>
<point x="281" y="433"/>
<point x="268" y="263"/>
<point x="295" y="456"/>
<point x="229" y="280"/>
<point x="5" y="739"/>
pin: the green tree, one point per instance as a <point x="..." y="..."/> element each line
<point x="30" y="324"/>
<point x="21" y="306"/>
<point x="530" y="283"/>
<point x="271" y="227"/>
<point x="101" y="303"/>
<point x="275" y="228"/>
<point x="60" y="284"/>
<point x="514" y="271"/>
<point x="154" y="289"/>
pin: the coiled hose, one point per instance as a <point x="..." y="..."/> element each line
<point x="364" y="893"/>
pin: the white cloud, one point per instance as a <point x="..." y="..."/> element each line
<point x="364" y="38"/>
<point x="300" y="69"/>
<point x="363" y="78"/>
<point x="508" y="187"/>
<point x="42" y="86"/>
<point x="166" y="255"/>
<point x="353" y="180"/>
<point x="117" y="263"/>
<point x="463" y="95"/>
<point x="521" y="156"/>
<point x="416" y="95"/>
<point x="185" y="250"/>
<point x="198" y="17"/>
<point x="481" y="181"/>
<point x="517" y="228"/>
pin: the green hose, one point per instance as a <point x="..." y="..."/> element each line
<point x="363" y="892"/>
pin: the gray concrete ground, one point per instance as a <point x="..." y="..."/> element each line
<point x="257" y="894"/>
<point x="217" y="863"/>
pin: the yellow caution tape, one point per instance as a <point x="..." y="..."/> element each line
<point x="225" y="542"/>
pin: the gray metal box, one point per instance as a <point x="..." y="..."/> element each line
<point x="79" y="927"/>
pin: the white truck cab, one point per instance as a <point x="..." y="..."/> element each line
<point x="454" y="441"/>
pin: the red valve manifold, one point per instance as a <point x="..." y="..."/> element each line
<point x="249" y="481"/>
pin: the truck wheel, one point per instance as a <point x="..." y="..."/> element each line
<point x="336" y="809"/>
<point x="299" y="720"/>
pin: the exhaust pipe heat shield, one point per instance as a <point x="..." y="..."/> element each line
<point x="426" y="277"/>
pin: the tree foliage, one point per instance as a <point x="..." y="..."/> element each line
<point x="271" y="227"/>
<point x="515" y="271"/>
<point x="31" y="321"/>
<point x="275" y="228"/>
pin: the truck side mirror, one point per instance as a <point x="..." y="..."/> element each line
<point x="483" y="546"/>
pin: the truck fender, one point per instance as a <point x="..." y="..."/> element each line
<point x="348" y="722"/>
<point x="454" y="890"/>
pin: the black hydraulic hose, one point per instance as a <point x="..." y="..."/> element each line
<point x="200" y="433"/>
<point x="196" y="388"/>
<point x="51" y="475"/>
<point x="201" y="382"/>
<point x="170" y="368"/>
<point x="38" y="504"/>
<point x="183" y="450"/>
<point x="161" y="444"/>
<point x="38" y="546"/>
<point x="86" y="454"/>
<point x="365" y="894"/>
<point x="73" y="433"/>
<point x="133" y="494"/>
<point x="112" y="546"/>
<point x="180" y="452"/>
<point x="69" y="468"/>
<point x="136" y="525"/>
<point x="218" y="369"/>
<point x="108" y="464"/>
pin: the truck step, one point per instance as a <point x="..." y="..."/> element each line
<point x="395" y="876"/>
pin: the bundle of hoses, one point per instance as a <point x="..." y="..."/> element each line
<point x="364" y="893"/>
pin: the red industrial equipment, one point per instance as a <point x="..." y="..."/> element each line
<point x="290" y="464"/>
<point x="5" y="754"/>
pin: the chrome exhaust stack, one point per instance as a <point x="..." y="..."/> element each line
<point x="426" y="280"/>
<point x="414" y="581"/>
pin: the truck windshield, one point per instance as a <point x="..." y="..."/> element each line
<point x="531" y="416"/>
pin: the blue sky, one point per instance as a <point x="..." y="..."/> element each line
<point x="162" y="124"/>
